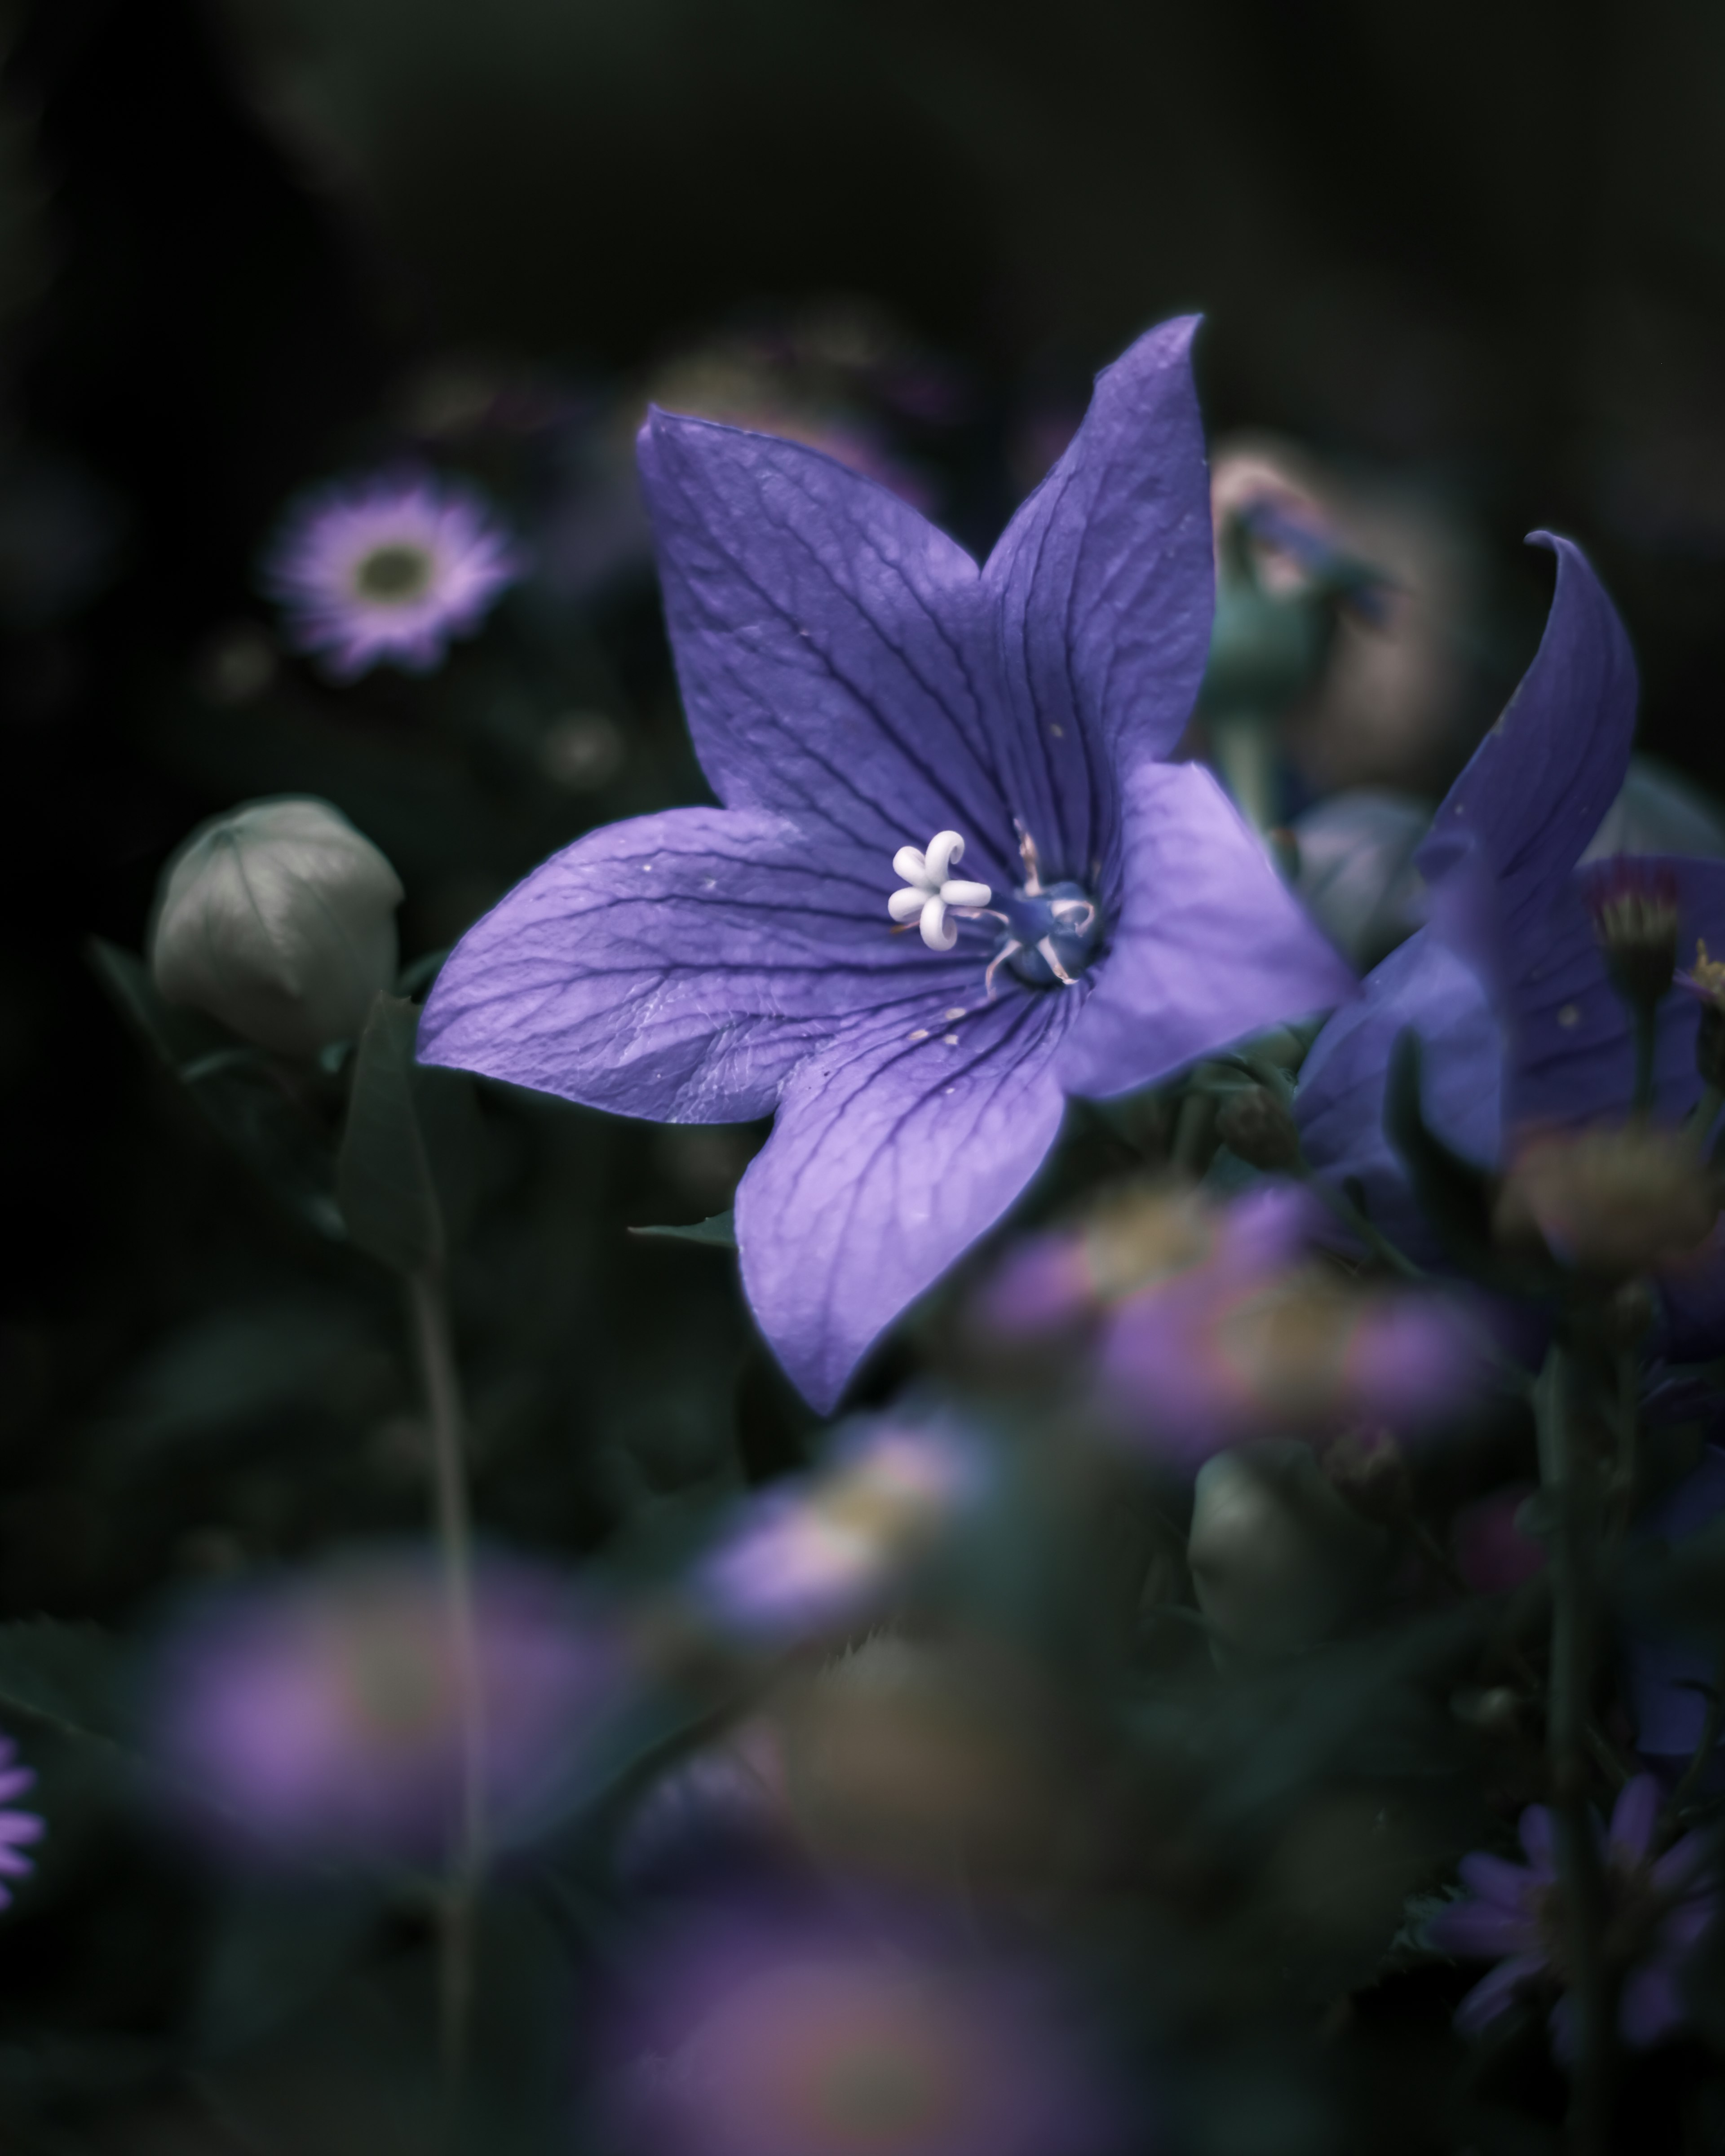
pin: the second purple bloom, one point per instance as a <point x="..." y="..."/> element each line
<point x="954" y="880"/>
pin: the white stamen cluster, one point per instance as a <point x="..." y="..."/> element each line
<point x="930" y="892"/>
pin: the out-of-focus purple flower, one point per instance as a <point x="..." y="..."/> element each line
<point x="870" y="705"/>
<point x="1514" y="1914"/>
<point x="387" y="569"/>
<point x="1509" y="987"/>
<point x="769" y="2036"/>
<point x="17" y="1829"/>
<point x="1667" y="1679"/>
<point x="1258" y="1339"/>
<point x="823" y="1553"/>
<point x="1057" y="1282"/>
<point x="321" y="1715"/>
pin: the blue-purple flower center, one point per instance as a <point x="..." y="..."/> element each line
<point x="1052" y="934"/>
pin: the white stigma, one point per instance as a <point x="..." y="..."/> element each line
<point x="931" y="891"/>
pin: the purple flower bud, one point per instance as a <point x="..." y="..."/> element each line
<point x="277" y="919"/>
<point x="1633" y="906"/>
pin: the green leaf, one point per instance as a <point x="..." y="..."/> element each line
<point x="719" y="1233"/>
<point x="179" y="1037"/>
<point x="384" y="1177"/>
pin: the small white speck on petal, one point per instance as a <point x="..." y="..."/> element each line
<point x="646" y="868"/>
<point x="1570" y="1015"/>
<point x="957" y="1011"/>
<point x="921" y="1034"/>
<point x="1059" y="732"/>
<point x="709" y="883"/>
<point x="949" y="1089"/>
<point x="950" y="1038"/>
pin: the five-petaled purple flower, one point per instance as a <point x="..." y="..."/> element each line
<point x="869" y="705"/>
<point x="387" y="569"/>
<point x="17" y="1829"/>
<point x="1514" y="1914"/>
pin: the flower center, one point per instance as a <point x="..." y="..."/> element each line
<point x="931" y="893"/>
<point x="393" y="575"/>
<point x="1051" y="934"/>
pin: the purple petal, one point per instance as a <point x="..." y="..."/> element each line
<point x="1495" y="1993"/>
<point x="1562" y="743"/>
<point x="1571" y="1038"/>
<point x="680" y="966"/>
<point x="1106" y="586"/>
<point x="1538" y="1836"/>
<point x="835" y="651"/>
<point x="1686" y="1861"/>
<point x="1495" y="1879"/>
<point x="1209" y="945"/>
<point x="1482" y="1931"/>
<point x="1633" y="1819"/>
<point x="14" y="1781"/>
<point x="890" y="1156"/>
<point x="22" y="1827"/>
<point x="1651" y="2007"/>
<point x="1339" y="1106"/>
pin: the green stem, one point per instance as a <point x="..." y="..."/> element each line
<point x="442" y="1384"/>
<point x="1566" y="1472"/>
<point x="1245" y="743"/>
<point x="1647" y="1042"/>
<point x="1351" y="1216"/>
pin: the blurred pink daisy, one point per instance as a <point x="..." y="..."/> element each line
<point x="387" y="569"/>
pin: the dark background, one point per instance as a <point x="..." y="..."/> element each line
<point x="1481" y="244"/>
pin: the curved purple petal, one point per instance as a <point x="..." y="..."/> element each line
<point x="1634" y="1817"/>
<point x="1105" y="581"/>
<point x="1494" y="1994"/>
<point x="1496" y="1879"/>
<point x="1683" y="1863"/>
<point x="835" y="650"/>
<point x="896" y="1146"/>
<point x="1211" y="946"/>
<point x="1651" y="2007"/>
<point x="679" y="966"/>
<point x="1482" y="1931"/>
<point x="1537" y="787"/>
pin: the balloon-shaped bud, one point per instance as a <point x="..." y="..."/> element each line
<point x="277" y="919"/>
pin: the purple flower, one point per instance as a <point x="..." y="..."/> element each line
<point x="17" y="1829"/>
<point x="823" y="1553"/>
<point x="870" y="706"/>
<point x="1510" y="987"/>
<point x="1514" y="1914"/>
<point x="781" y="2035"/>
<point x="1260" y="1337"/>
<point x="387" y="569"/>
<point x="322" y="1715"/>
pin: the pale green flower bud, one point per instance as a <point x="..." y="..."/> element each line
<point x="279" y="920"/>
<point x="1279" y="1561"/>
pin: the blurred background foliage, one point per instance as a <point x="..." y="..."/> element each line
<point x="1469" y="260"/>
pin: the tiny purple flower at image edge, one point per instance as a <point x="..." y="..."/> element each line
<point x="387" y="568"/>
<point x="857" y="687"/>
<point x="17" y="1829"/>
